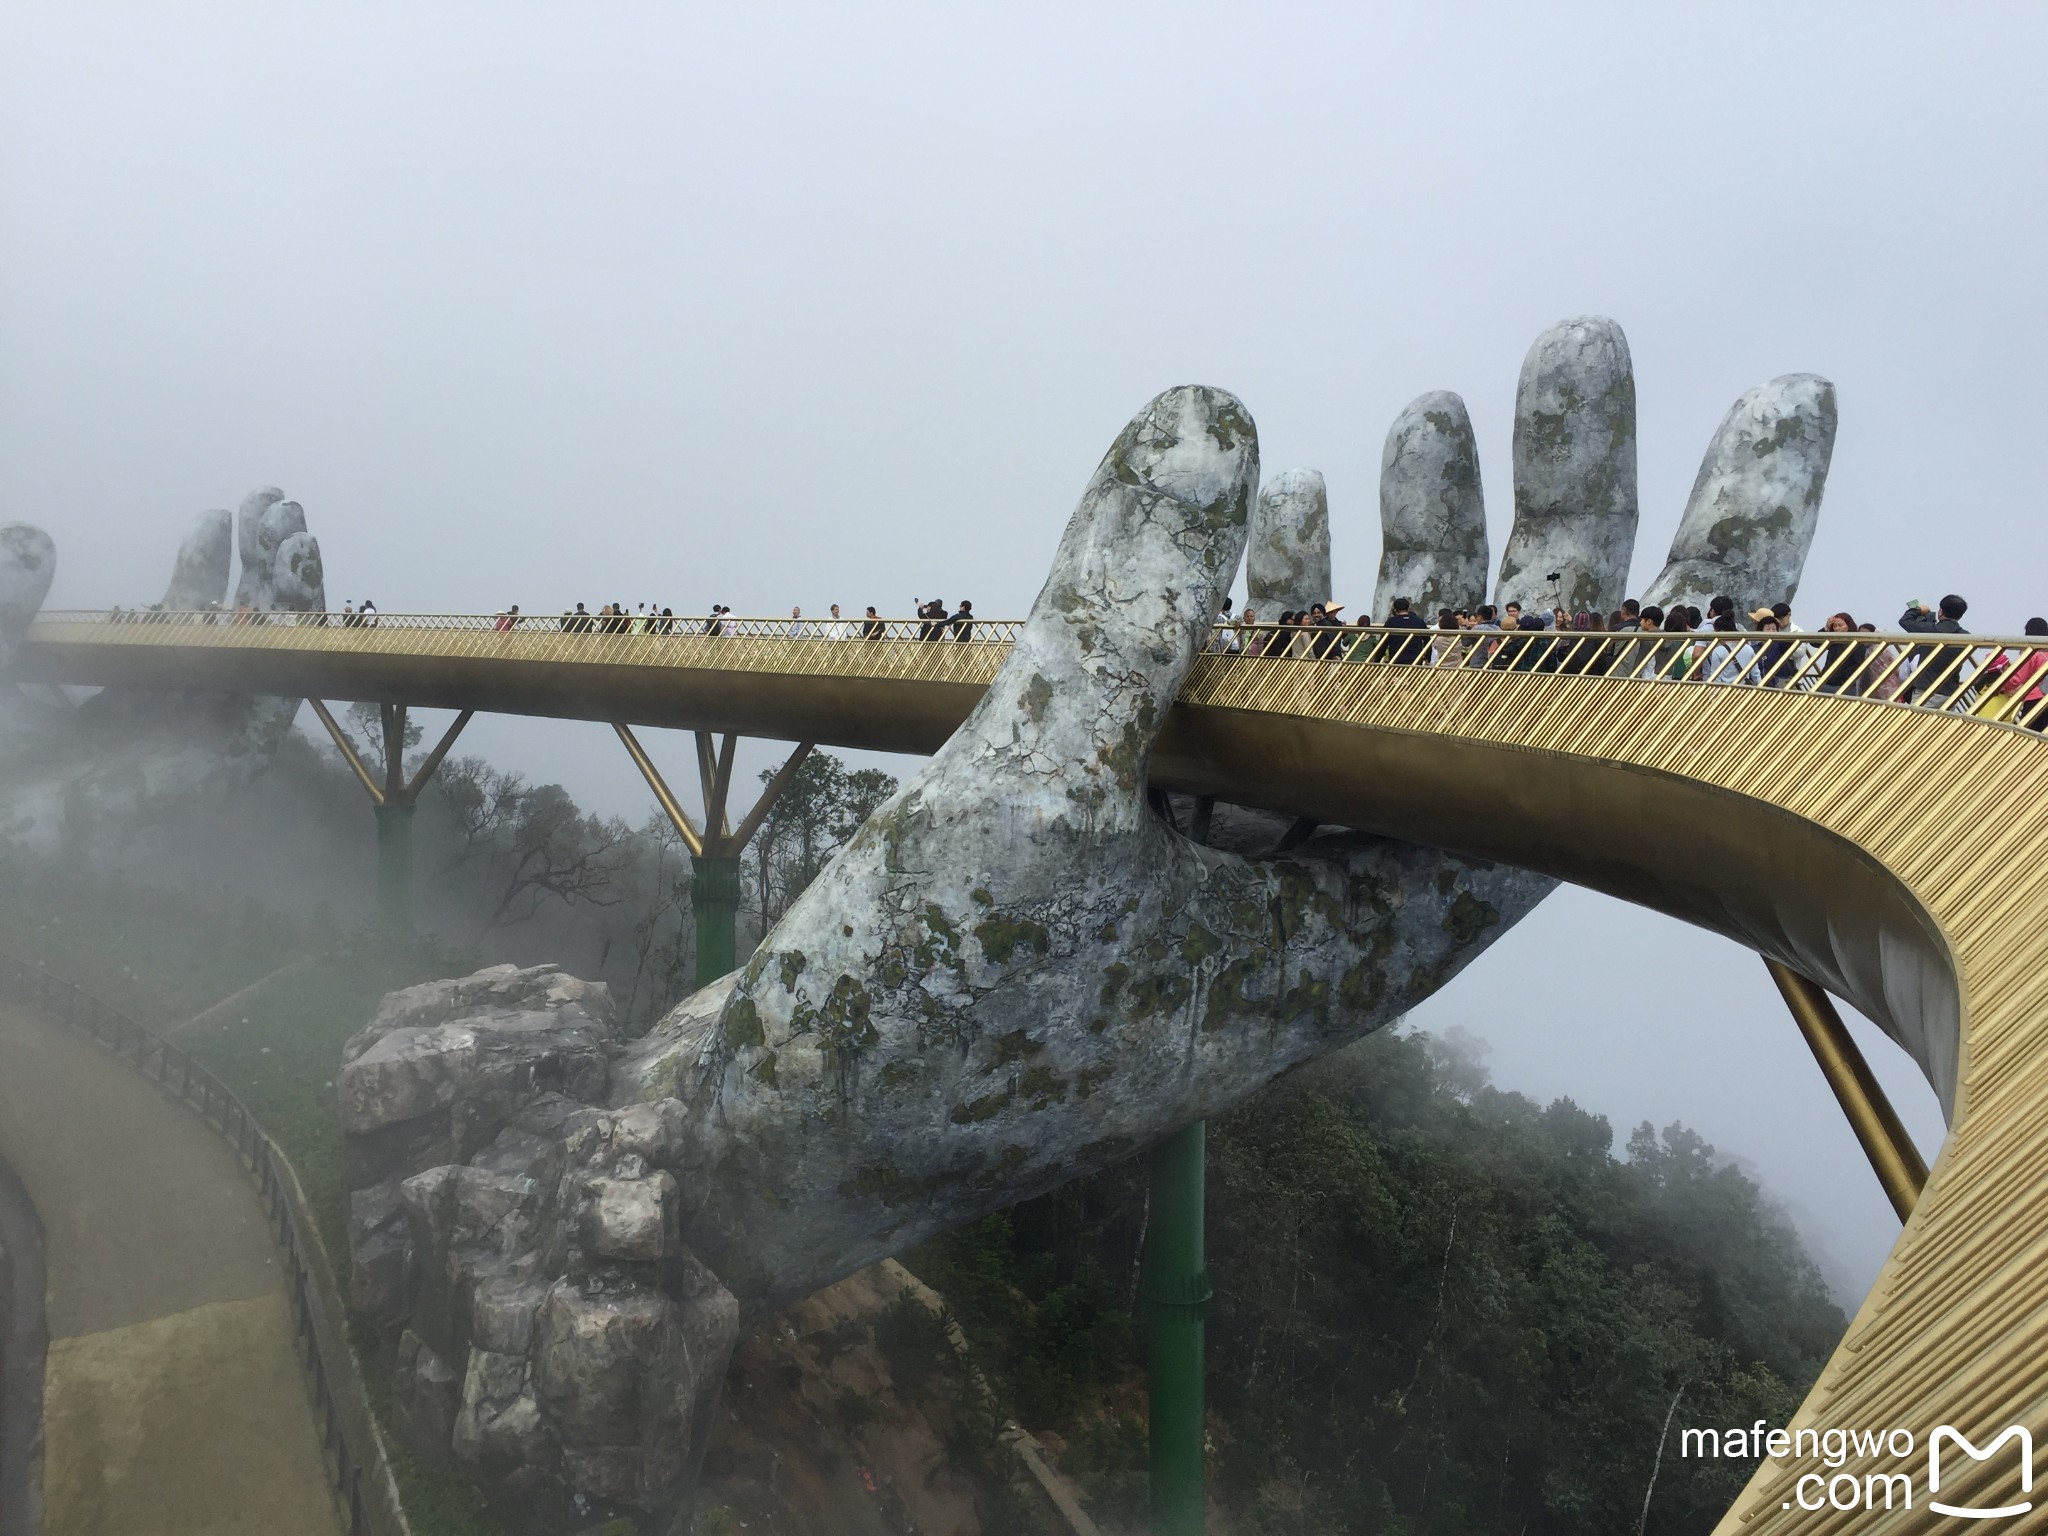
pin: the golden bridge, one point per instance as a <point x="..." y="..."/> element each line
<point x="1865" y="812"/>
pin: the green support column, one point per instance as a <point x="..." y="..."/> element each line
<point x="1176" y="1289"/>
<point x="715" y="899"/>
<point x="394" y="867"/>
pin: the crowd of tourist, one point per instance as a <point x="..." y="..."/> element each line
<point x="1756" y="647"/>
<point x="934" y="622"/>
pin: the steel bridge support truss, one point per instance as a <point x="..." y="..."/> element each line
<point x="394" y="797"/>
<point x="715" y="850"/>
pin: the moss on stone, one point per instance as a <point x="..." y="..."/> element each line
<point x="1041" y="1087"/>
<point x="987" y="1107"/>
<point x="1015" y="1046"/>
<point x="742" y="1024"/>
<point x="1001" y="937"/>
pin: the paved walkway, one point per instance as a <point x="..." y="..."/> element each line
<point x="173" y="1402"/>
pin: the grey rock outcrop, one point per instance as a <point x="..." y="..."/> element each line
<point x="257" y="545"/>
<point x="556" y="1338"/>
<point x="1432" y="511"/>
<point x="28" y="563"/>
<point x="199" y="579"/>
<point x="1287" y="550"/>
<point x="1575" y="470"/>
<point x="1756" y="501"/>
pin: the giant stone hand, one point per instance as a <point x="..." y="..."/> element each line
<point x="1017" y="971"/>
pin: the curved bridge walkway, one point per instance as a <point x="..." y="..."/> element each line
<point x="173" y="1401"/>
<point x="1884" y="843"/>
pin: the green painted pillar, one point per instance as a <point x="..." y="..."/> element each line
<point x="394" y="867"/>
<point x="1176" y="1289"/>
<point x="715" y="899"/>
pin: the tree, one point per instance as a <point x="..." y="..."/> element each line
<point x="367" y="722"/>
<point x="664" y="939"/>
<point x="529" y="845"/>
<point x="819" y="810"/>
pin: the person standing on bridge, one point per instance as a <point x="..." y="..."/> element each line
<point x="963" y="621"/>
<point x="1406" y="649"/>
<point x="838" y="629"/>
<point x="1937" y="669"/>
<point x="2005" y="689"/>
<point x="873" y="627"/>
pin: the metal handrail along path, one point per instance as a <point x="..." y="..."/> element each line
<point x="351" y="1446"/>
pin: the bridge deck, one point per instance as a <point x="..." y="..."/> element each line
<point x="1890" y="852"/>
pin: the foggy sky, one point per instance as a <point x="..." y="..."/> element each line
<point x="541" y="304"/>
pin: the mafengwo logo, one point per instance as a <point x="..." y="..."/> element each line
<point x="2006" y="1490"/>
<point x="1947" y="1434"/>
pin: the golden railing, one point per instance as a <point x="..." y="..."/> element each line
<point x="1864" y="810"/>
<point x="2001" y="679"/>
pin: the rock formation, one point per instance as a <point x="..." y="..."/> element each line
<point x="1432" y="512"/>
<point x="1287" y="553"/>
<point x="1757" y="498"/>
<point x="1575" y="470"/>
<point x="556" y="1336"/>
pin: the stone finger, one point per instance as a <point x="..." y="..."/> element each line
<point x="1287" y="551"/>
<point x="199" y="578"/>
<point x="1432" y="511"/>
<point x="28" y="562"/>
<point x="1575" y="470"/>
<point x="1756" y="502"/>
<point x="257" y="547"/>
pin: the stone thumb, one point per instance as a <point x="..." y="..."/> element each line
<point x="1070" y="720"/>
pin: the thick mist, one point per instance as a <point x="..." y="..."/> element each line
<point x="800" y="306"/>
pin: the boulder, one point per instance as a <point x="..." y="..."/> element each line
<point x="630" y="1219"/>
<point x="380" y="1248"/>
<point x="425" y="1393"/>
<point x="445" y="1066"/>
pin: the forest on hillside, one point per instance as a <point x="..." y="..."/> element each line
<point x="1441" y="1309"/>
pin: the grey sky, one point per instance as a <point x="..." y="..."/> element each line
<point x="769" y="306"/>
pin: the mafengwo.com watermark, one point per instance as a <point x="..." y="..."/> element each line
<point x="1911" y="1469"/>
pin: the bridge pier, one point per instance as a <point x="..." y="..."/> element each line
<point x="1176" y="1291"/>
<point x="394" y="866"/>
<point x="394" y="801"/>
<point x="715" y="851"/>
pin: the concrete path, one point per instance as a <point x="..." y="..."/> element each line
<point x="173" y="1402"/>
